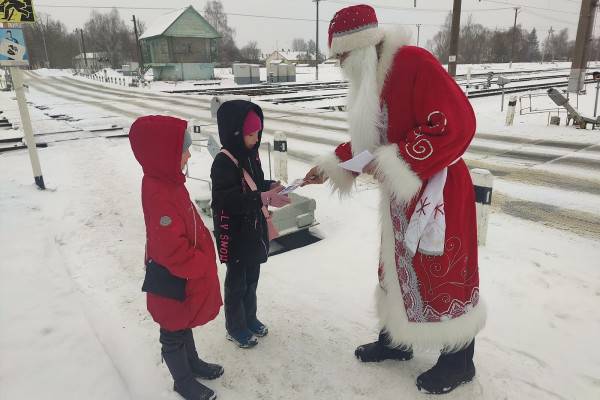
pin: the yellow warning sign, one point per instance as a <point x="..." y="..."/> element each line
<point x="16" y="11"/>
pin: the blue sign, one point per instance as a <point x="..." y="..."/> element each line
<point x="13" y="52"/>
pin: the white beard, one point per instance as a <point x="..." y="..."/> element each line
<point x="364" y="112"/>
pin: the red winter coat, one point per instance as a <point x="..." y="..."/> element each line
<point x="176" y="235"/>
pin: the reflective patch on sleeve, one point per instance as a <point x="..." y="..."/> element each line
<point x="165" y="220"/>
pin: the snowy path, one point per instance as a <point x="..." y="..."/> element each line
<point x="75" y="326"/>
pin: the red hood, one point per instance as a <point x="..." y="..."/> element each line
<point x="157" y="143"/>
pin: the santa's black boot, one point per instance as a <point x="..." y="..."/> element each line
<point x="200" y="368"/>
<point x="450" y="371"/>
<point x="382" y="350"/>
<point x="174" y="354"/>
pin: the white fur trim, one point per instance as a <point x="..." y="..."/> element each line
<point x="392" y="42"/>
<point x="448" y="335"/>
<point x="396" y="175"/>
<point x="340" y="179"/>
<point x="355" y="40"/>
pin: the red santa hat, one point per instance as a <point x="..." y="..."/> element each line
<point x="352" y="28"/>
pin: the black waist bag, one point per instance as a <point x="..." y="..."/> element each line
<point x="161" y="282"/>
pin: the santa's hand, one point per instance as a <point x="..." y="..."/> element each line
<point x="314" y="177"/>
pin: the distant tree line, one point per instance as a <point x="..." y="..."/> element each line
<point x="479" y="44"/>
<point x="309" y="49"/>
<point x="50" y="44"/>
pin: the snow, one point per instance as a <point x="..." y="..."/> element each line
<point x="74" y="321"/>
<point x="565" y="199"/>
<point x="77" y="251"/>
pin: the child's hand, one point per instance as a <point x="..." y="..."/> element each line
<point x="276" y="185"/>
<point x="273" y="198"/>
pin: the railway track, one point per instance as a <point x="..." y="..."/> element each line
<point x="283" y="93"/>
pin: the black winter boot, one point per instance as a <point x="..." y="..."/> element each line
<point x="174" y="354"/>
<point x="200" y="368"/>
<point x="450" y="371"/>
<point x="381" y="350"/>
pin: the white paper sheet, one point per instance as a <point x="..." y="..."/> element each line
<point x="295" y="185"/>
<point x="358" y="162"/>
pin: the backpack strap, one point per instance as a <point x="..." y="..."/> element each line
<point x="253" y="187"/>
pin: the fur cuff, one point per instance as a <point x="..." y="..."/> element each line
<point x="395" y="173"/>
<point x="451" y="335"/>
<point x="340" y="179"/>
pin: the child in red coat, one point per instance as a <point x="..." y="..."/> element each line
<point x="181" y="281"/>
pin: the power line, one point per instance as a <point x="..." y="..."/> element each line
<point x="547" y="17"/>
<point x="531" y="7"/>
<point x="103" y="7"/>
<point x="228" y="14"/>
<point x="420" y="9"/>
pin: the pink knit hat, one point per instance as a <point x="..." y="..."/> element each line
<point x="252" y="123"/>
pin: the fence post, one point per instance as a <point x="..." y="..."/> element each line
<point x="280" y="156"/>
<point x="510" y="111"/>
<point x="483" y="182"/>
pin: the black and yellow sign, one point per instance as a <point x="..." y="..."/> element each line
<point x="16" y="11"/>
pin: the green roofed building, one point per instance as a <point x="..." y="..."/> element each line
<point x="180" y="45"/>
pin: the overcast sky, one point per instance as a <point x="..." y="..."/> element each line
<point x="271" y="33"/>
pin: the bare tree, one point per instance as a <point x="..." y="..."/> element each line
<point x="299" y="44"/>
<point x="250" y="52"/>
<point x="559" y="45"/>
<point x="215" y="15"/>
<point x="440" y="44"/>
<point x="49" y="36"/>
<point x="109" y="34"/>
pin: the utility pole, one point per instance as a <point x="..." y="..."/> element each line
<point x="512" y="49"/>
<point x="454" y="37"/>
<point x="138" y="45"/>
<point x="582" y="45"/>
<point x="550" y="31"/>
<point x="83" y="48"/>
<point x="418" y="31"/>
<point x="317" y="43"/>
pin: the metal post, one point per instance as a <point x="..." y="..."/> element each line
<point x="317" y="43"/>
<point x="512" y="49"/>
<point x="418" y="34"/>
<point x="582" y="45"/>
<point x="17" y="76"/>
<point x="454" y="37"/>
<point x="596" y="103"/>
<point x="502" y="105"/>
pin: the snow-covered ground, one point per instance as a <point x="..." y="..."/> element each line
<point x="73" y="318"/>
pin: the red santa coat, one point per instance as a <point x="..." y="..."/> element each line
<point x="176" y="235"/>
<point x="428" y="300"/>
